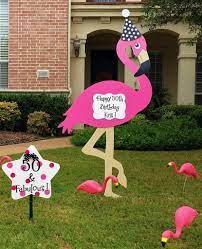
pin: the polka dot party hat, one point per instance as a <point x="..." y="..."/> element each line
<point x="130" y="32"/>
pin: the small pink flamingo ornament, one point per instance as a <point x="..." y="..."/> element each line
<point x="93" y="187"/>
<point x="5" y="159"/>
<point x="110" y="103"/>
<point x="187" y="168"/>
<point x="184" y="216"/>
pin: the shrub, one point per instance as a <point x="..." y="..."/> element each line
<point x="9" y="114"/>
<point x="197" y="115"/>
<point x="55" y="120"/>
<point x="139" y="118"/>
<point x="160" y="96"/>
<point x="38" y="123"/>
<point x="175" y="110"/>
<point x="55" y="106"/>
<point x="179" y="134"/>
<point x="169" y="115"/>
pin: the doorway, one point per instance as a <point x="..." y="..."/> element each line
<point x="102" y="62"/>
<point x="104" y="65"/>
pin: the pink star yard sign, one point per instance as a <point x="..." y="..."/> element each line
<point x="31" y="175"/>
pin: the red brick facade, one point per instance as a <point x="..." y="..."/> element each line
<point x="38" y="40"/>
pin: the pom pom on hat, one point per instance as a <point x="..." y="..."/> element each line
<point x="125" y="13"/>
<point x="130" y="32"/>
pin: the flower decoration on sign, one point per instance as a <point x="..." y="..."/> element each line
<point x="30" y="156"/>
<point x="31" y="174"/>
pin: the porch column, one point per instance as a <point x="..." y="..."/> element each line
<point x="77" y="69"/>
<point x="186" y="71"/>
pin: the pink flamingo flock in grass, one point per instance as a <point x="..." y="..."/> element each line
<point x="5" y="159"/>
<point x="187" y="168"/>
<point x="184" y="216"/>
<point x="83" y="110"/>
<point x="93" y="187"/>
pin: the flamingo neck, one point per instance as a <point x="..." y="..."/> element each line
<point x="122" y="54"/>
<point x="177" y="233"/>
<point x="3" y="159"/>
<point x="174" y="165"/>
<point x="143" y="96"/>
<point x="105" y="183"/>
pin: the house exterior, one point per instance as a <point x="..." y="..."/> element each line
<point x="37" y="39"/>
<point x="65" y="46"/>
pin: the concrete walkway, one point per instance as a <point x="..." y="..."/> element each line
<point x="40" y="145"/>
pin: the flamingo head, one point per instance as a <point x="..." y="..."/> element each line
<point x="170" y="164"/>
<point x="131" y="37"/>
<point x="139" y="49"/>
<point x="115" y="181"/>
<point x="165" y="236"/>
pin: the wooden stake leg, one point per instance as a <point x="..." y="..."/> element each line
<point x="31" y="207"/>
<point x="89" y="149"/>
<point x="107" y="156"/>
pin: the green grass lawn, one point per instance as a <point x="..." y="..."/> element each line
<point x="76" y="220"/>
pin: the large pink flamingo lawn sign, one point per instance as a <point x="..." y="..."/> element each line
<point x="109" y="103"/>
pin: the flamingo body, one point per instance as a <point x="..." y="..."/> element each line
<point x="184" y="216"/>
<point x="92" y="187"/>
<point x="187" y="169"/>
<point x="81" y="112"/>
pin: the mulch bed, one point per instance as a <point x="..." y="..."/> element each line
<point x="8" y="137"/>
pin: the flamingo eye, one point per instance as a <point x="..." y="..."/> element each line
<point x="137" y="45"/>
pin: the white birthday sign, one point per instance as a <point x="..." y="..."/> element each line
<point x="31" y="175"/>
<point x="109" y="106"/>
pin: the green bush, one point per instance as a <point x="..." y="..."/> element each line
<point x="139" y="118"/>
<point x="197" y="115"/>
<point x="37" y="123"/>
<point x="9" y="114"/>
<point x="175" y="110"/>
<point x="181" y="133"/>
<point x="55" y="106"/>
<point x="169" y="115"/>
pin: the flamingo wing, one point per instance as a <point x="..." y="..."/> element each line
<point x="90" y="186"/>
<point x="81" y="111"/>
<point x="185" y="215"/>
<point x="189" y="169"/>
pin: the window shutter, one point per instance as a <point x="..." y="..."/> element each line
<point x="3" y="43"/>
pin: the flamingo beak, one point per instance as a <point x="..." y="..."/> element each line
<point x="164" y="241"/>
<point x="168" y="165"/>
<point x="163" y="244"/>
<point x="116" y="184"/>
<point x="145" y="64"/>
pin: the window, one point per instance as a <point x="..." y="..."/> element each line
<point x="198" y="97"/>
<point x="155" y="74"/>
<point x="3" y="43"/>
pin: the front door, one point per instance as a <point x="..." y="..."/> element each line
<point x="104" y="65"/>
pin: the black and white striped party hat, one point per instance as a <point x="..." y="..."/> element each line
<point x="130" y="32"/>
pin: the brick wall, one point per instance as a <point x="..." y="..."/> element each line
<point x="38" y="40"/>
